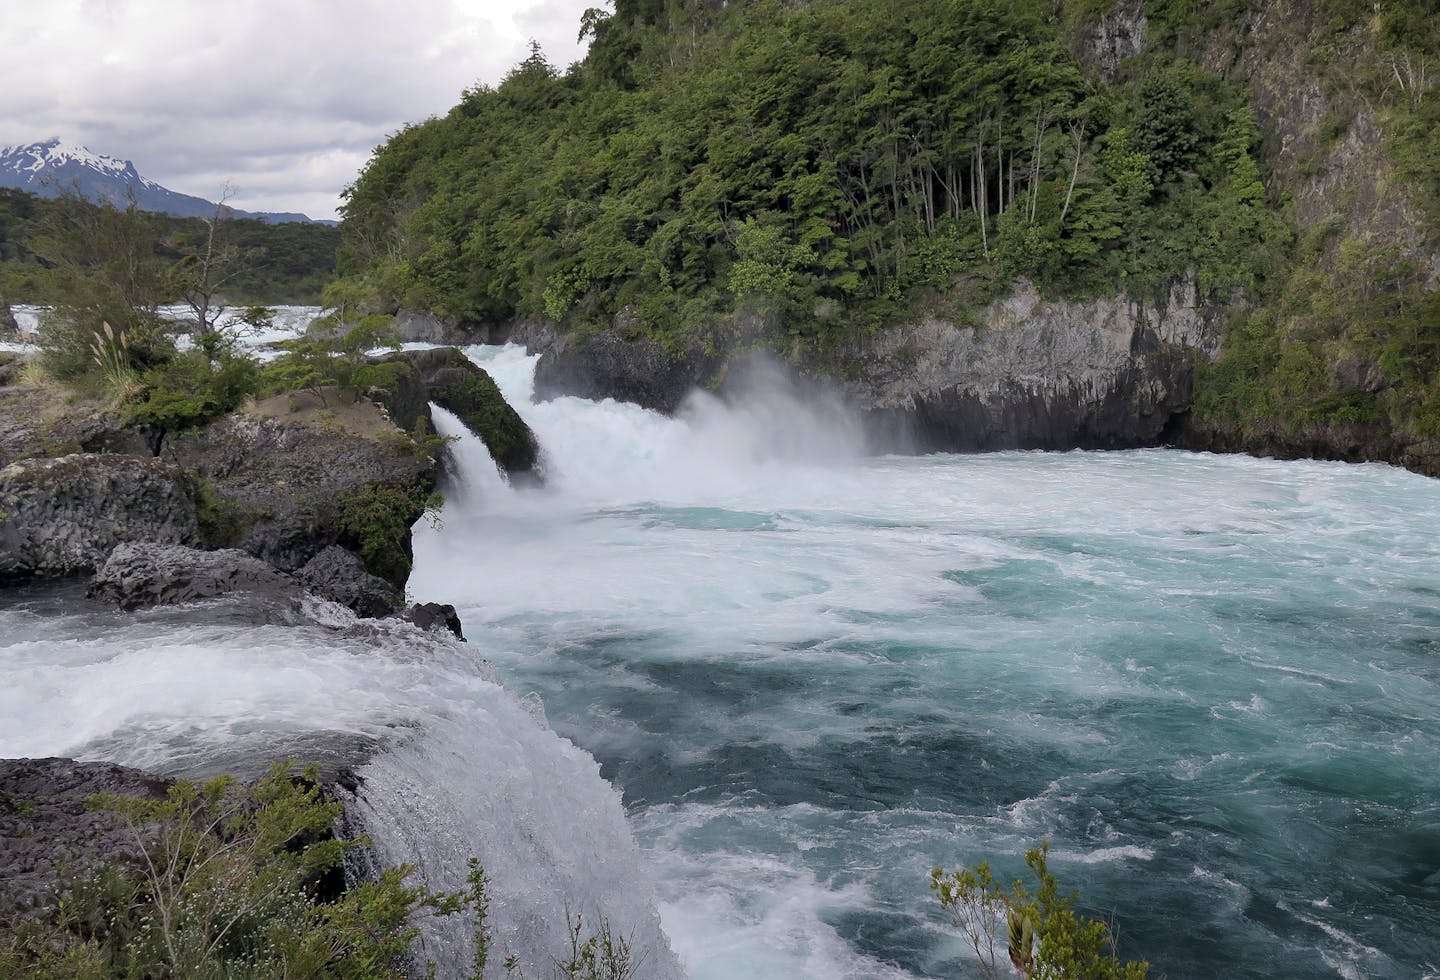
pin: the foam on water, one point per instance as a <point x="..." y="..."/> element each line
<point x="462" y="769"/>
<point x="1210" y="682"/>
<point x="816" y="678"/>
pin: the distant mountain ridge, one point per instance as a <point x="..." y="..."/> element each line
<point x="52" y="167"/>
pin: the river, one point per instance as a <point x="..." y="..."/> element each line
<point x="811" y="676"/>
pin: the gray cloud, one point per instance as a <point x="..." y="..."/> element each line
<point x="283" y="99"/>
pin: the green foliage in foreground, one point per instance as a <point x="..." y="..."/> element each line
<point x="230" y="887"/>
<point x="1045" y="939"/>
<point x="234" y="885"/>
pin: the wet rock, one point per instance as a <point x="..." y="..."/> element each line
<point x="138" y="575"/>
<point x="49" y="835"/>
<point x="1036" y="374"/>
<point x="455" y="383"/>
<point x="64" y="516"/>
<point x="435" y="616"/>
<point x="607" y="365"/>
<point x="340" y="576"/>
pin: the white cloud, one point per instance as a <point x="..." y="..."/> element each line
<point x="283" y="98"/>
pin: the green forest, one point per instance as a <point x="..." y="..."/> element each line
<point x="836" y="166"/>
<point x="44" y="240"/>
<point x="828" y="162"/>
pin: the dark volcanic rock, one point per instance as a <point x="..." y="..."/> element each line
<point x="35" y="422"/>
<point x="137" y="575"/>
<point x="48" y="835"/>
<point x="284" y="483"/>
<point x="340" y="576"/>
<point x="1034" y="374"/>
<point x="458" y="385"/>
<point x="64" y="516"/>
<point x="606" y="365"/>
<point x="435" y="616"/>
<point x="419" y="327"/>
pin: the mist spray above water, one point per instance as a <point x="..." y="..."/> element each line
<point x="815" y="675"/>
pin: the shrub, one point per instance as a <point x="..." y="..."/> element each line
<point x="237" y="882"/>
<point x="193" y="388"/>
<point x="1044" y="938"/>
<point x="230" y="886"/>
<point x="376" y="524"/>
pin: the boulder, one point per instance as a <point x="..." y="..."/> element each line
<point x="64" y="516"/>
<point x="608" y="365"/>
<point x="435" y="616"/>
<point x="137" y="575"/>
<point x="340" y="576"/>
<point x="289" y="477"/>
<point x="49" y="834"/>
<point x="458" y="385"/>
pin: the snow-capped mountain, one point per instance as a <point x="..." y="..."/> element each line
<point x="52" y="167"/>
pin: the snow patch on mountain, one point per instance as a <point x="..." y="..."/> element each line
<point x="53" y="167"/>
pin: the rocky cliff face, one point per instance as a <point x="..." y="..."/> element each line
<point x="610" y="365"/>
<point x="64" y="516"/>
<point x="1028" y="374"/>
<point x="1037" y="374"/>
<point x="281" y="479"/>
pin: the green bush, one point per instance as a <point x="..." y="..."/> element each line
<point x="1044" y="937"/>
<point x="230" y="887"/>
<point x="237" y="883"/>
<point x="376" y="525"/>
<point x="192" y="389"/>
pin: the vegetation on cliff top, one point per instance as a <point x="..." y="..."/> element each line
<point x="839" y="164"/>
<point x="822" y="164"/>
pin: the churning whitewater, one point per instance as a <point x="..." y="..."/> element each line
<point x="812" y="676"/>
<point x="1209" y="682"/>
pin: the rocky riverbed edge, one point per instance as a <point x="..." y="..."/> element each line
<point x="275" y="506"/>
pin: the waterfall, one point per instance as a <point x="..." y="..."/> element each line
<point x="458" y="766"/>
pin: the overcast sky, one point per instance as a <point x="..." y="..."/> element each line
<point x="282" y="99"/>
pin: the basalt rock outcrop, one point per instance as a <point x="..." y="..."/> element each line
<point x="144" y="574"/>
<point x="1026" y="373"/>
<point x="64" y="516"/>
<point x="49" y="835"/>
<point x="1035" y="374"/>
<point x="38" y="421"/>
<point x="340" y="576"/>
<point x="455" y="383"/>
<point x="609" y="365"/>
<point x="138" y="575"/>
<point x="284" y="485"/>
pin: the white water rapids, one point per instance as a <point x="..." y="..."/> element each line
<point x="1212" y="683"/>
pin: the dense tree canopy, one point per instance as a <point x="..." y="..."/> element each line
<point x="821" y="162"/>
